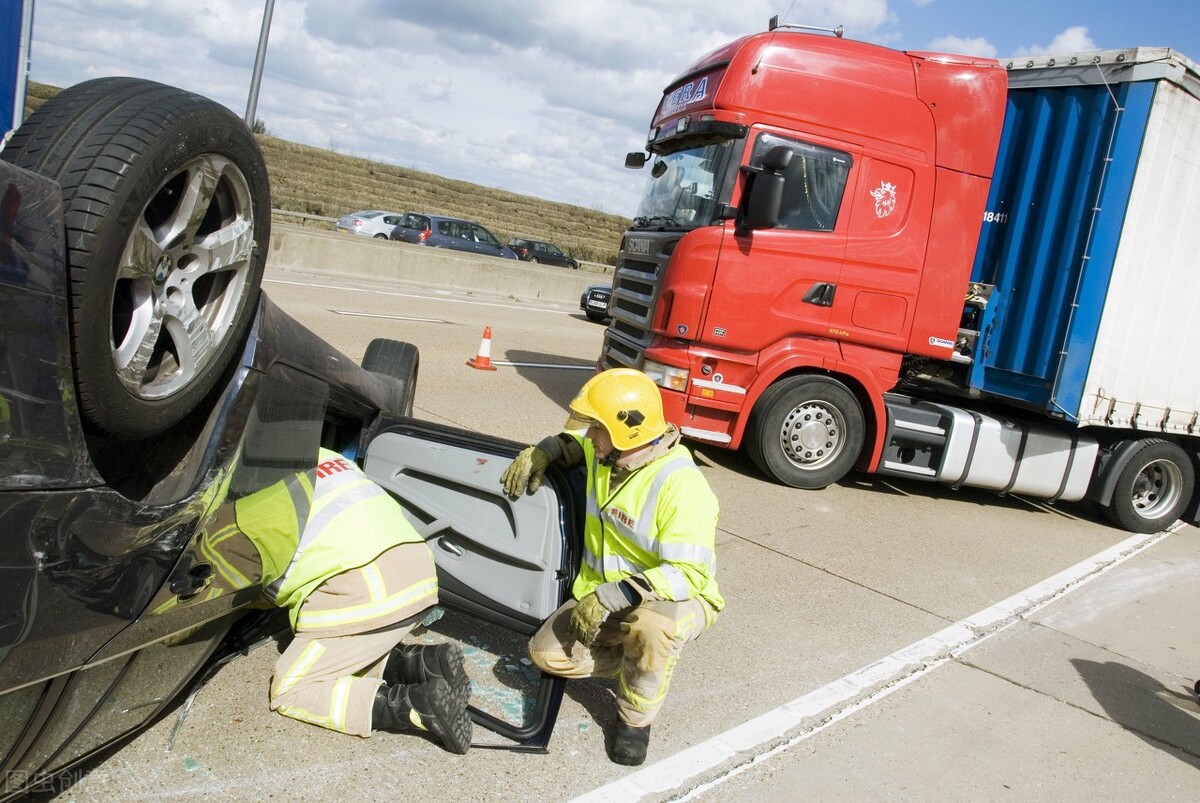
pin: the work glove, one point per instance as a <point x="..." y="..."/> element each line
<point x="591" y="611"/>
<point x="526" y="471"/>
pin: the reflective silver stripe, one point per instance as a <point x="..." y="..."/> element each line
<point x="347" y="497"/>
<point x="593" y="506"/>
<point x="642" y="535"/>
<point x="297" y="489"/>
<point x="300" y="500"/>
<point x="612" y="563"/>
<point x="689" y="553"/>
<point x="314" y="526"/>
<point x="678" y="583"/>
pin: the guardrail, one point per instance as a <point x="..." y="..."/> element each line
<point x="304" y="217"/>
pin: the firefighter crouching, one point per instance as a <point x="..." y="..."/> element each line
<point x="334" y="548"/>
<point x="647" y="581"/>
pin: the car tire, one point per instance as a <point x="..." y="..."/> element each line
<point x="166" y="210"/>
<point x="381" y="236"/>
<point x="534" y="260"/>
<point x="399" y="361"/>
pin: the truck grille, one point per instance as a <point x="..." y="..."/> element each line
<point x="636" y="286"/>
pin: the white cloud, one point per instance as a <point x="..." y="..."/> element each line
<point x="977" y="46"/>
<point x="541" y="97"/>
<point x="1072" y="40"/>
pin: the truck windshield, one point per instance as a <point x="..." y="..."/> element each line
<point x="685" y="188"/>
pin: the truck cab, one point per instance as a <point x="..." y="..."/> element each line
<point x="884" y="160"/>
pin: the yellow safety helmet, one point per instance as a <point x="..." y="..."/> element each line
<point x="625" y="402"/>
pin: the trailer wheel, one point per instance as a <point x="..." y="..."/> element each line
<point x="399" y="361"/>
<point x="806" y="431"/>
<point x="166" y="210"/>
<point x="1152" y="489"/>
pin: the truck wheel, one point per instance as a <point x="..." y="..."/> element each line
<point x="166" y="210"/>
<point x="399" y="361"/>
<point x="1153" y="488"/>
<point x="806" y="431"/>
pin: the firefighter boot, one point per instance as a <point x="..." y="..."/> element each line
<point x="428" y="707"/>
<point x="628" y="745"/>
<point x="417" y="663"/>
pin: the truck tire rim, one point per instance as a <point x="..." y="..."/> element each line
<point x="811" y="435"/>
<point x="182" y="277"/>
<point x="1156" y="489"/>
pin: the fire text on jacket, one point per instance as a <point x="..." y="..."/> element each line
<point x="331" y="467"/>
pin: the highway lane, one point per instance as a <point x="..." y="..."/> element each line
<point x="819" y="584"/>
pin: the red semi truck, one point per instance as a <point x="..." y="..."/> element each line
<point x="927" y="265"/>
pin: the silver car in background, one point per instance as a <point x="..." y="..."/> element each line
<point x="369" y="223"/>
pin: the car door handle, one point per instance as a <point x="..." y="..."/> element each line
<point x="821" y="294"/>
<point x="451" y="547"/>
<point x="186" y="586"/>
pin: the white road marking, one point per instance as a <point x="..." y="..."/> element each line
<point x="389" y="317"/>
<point x="856" y="691"/>
<point x="377" y="292"/>
<point x="544" y="365"/>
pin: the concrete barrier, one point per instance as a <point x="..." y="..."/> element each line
<point x="334" y="253"/>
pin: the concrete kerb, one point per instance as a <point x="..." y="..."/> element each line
<point x="333" y="253"/>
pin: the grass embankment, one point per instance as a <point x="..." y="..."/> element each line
<point x="320" y="182"/>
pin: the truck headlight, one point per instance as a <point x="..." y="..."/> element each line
<point x="666" y="376"/>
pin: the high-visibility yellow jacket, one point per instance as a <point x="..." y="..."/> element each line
<point x="660" y="523"/>
<point x="307" y="531"/>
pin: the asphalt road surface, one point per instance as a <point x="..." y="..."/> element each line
<point x="883" y="640"/>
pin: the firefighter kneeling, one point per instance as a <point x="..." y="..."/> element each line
<point x="334" y="548"/>
<point x="647" y="582"/>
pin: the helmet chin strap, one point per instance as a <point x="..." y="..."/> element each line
<point x="616" y="454"/>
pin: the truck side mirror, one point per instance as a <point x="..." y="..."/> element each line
<point x="764" y="202"/>
<point x="777" y="159"/>
<point x="764" y="195"/>
<point x="635" y="160"/>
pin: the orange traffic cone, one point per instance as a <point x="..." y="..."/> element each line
<point x="483" y="360"/>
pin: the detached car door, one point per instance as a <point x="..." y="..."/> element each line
<point x="503" y="565"/>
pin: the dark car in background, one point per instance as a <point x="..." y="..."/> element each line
<point x="595" y="300"/>
<point x="538" y="251"/>
<point x="448" y="232"/>
<point x="128" y="425"/>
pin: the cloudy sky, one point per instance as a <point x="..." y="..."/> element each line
<point x="540" y="97"/>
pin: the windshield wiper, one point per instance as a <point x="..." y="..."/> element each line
<point x="662" y="221"/>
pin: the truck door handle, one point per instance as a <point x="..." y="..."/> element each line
<point x="821" y="294"/>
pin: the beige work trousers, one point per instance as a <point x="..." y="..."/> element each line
<point x="329" y="676"/>
<point x="639" y="649"/>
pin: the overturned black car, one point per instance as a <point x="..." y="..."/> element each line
<point x="145" y="381"/>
